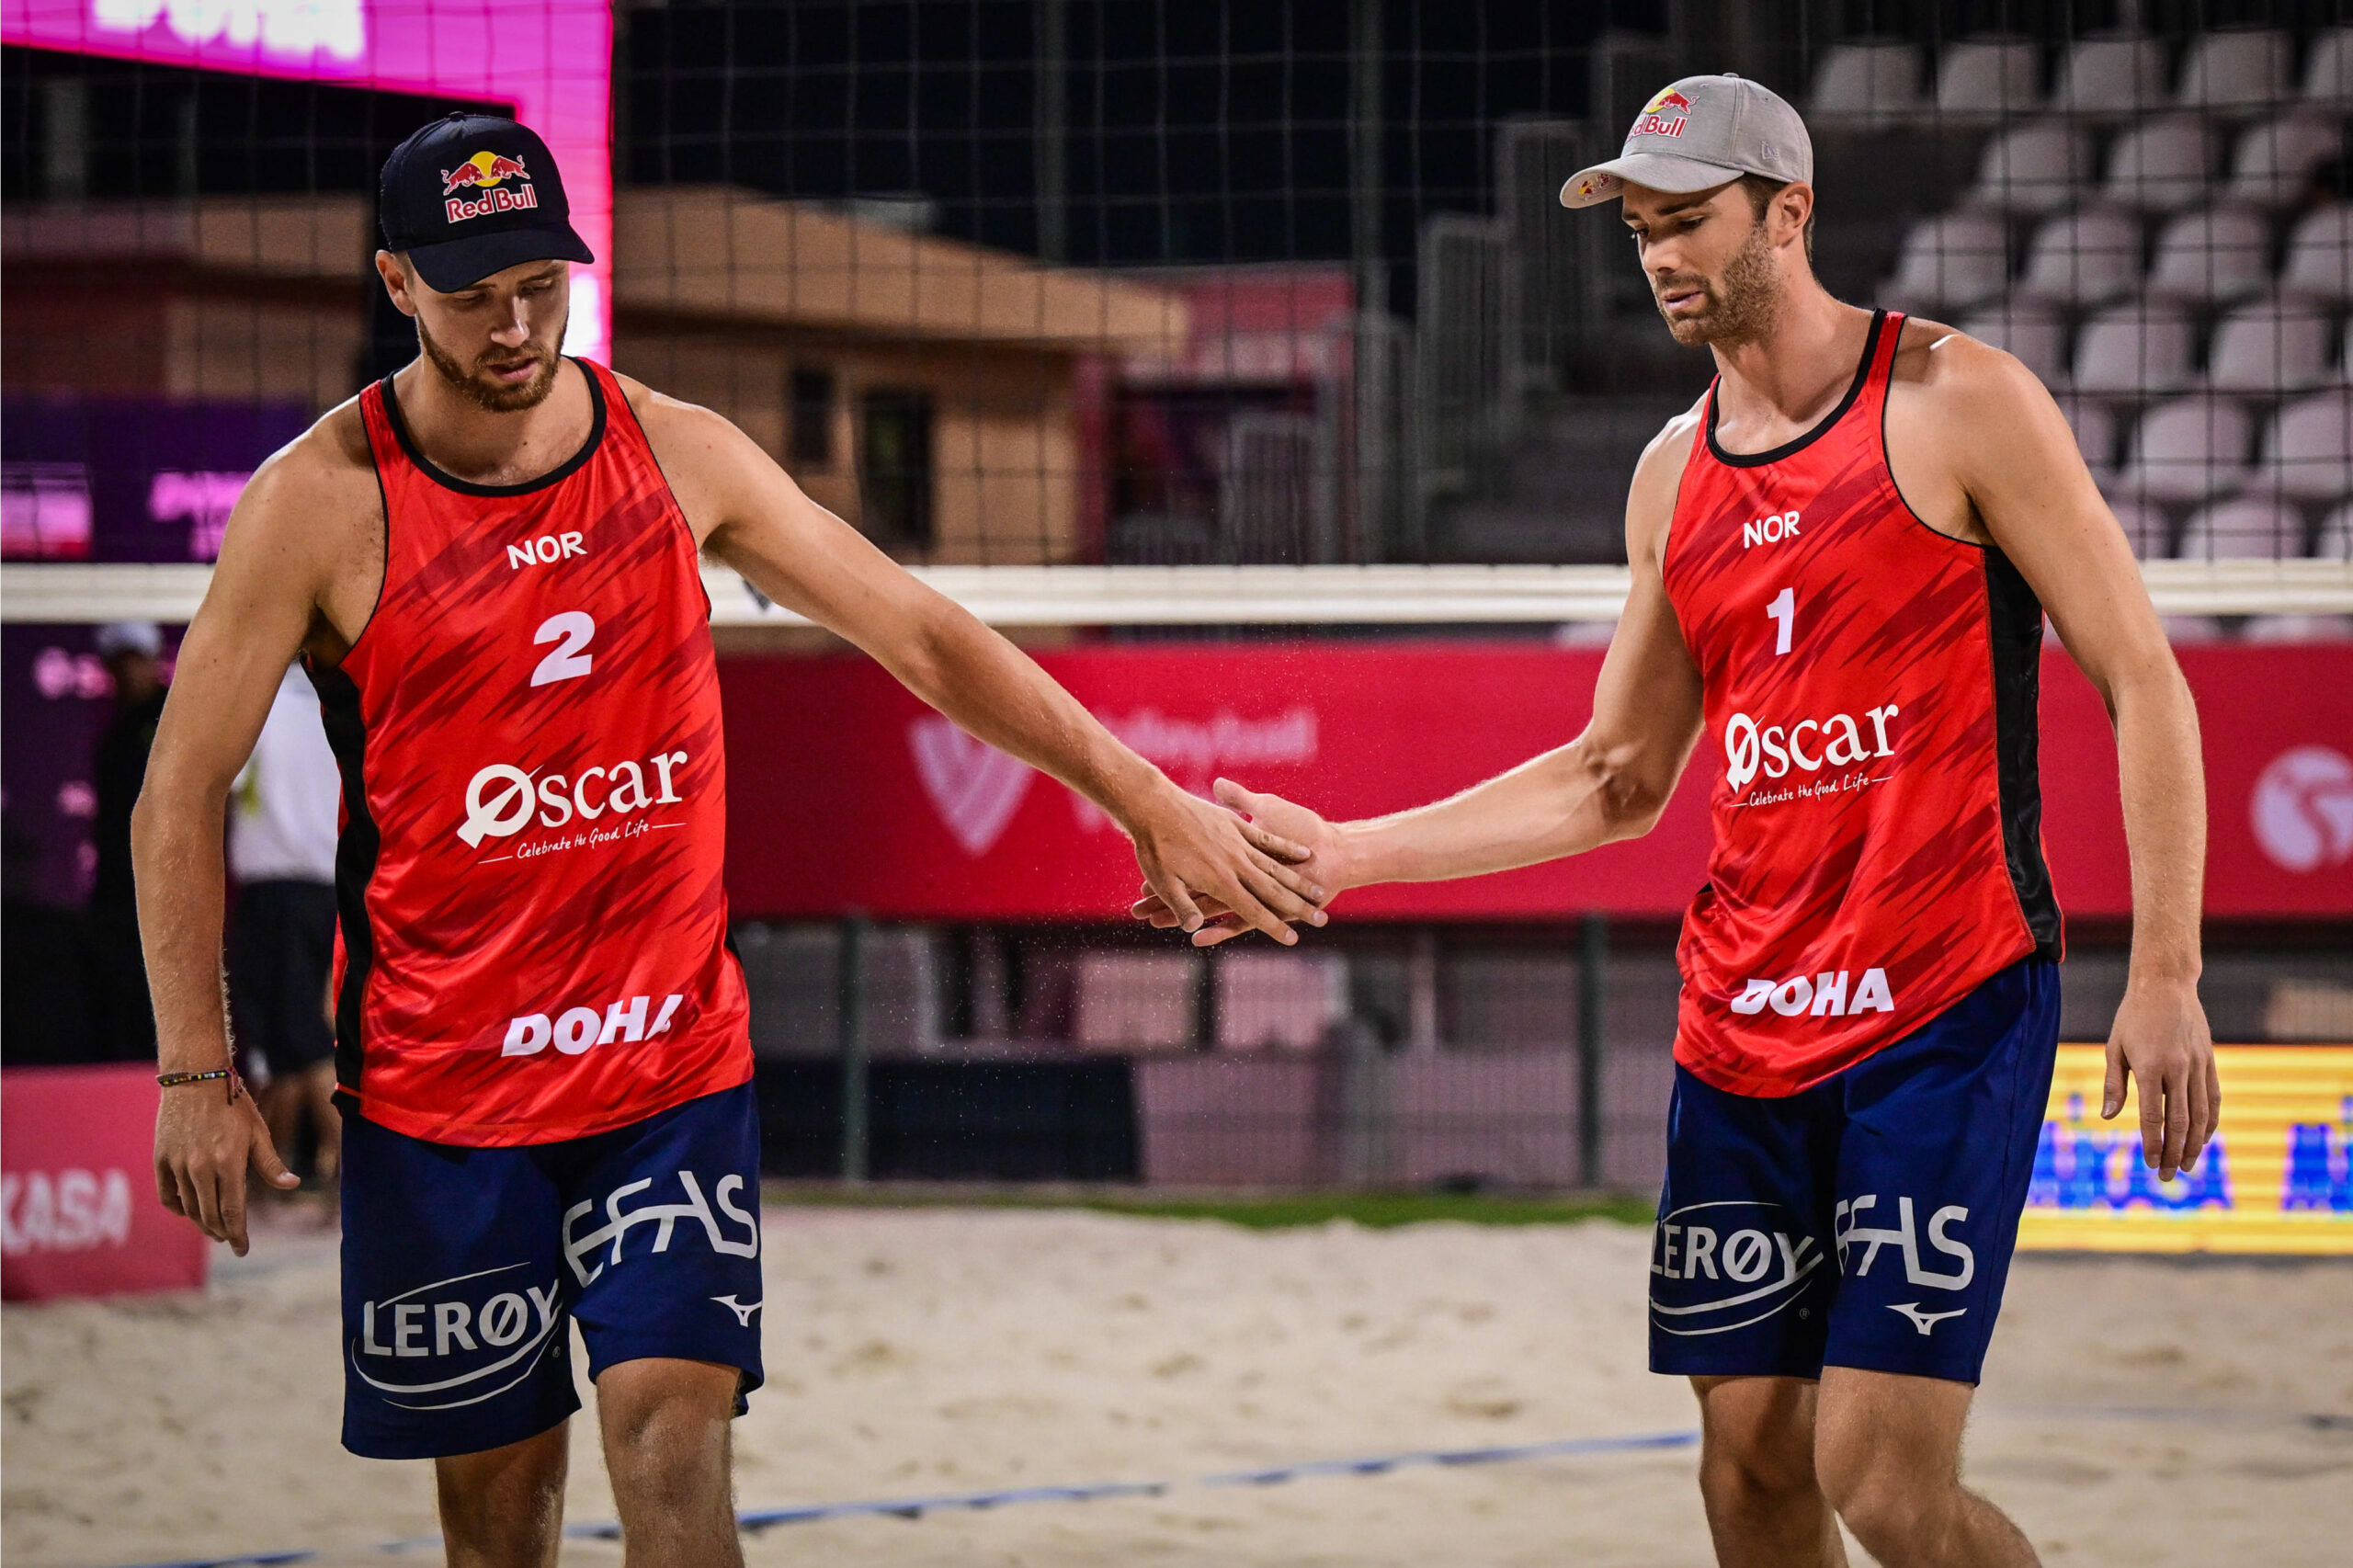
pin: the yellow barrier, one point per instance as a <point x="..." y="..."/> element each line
<point x="2277" y="1178"/>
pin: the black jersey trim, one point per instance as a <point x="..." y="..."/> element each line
<point x="555" y="475"/>
<point x="1822" y="427"/>
<point x="2014" y="632"/>
<point x="356" y="851"/>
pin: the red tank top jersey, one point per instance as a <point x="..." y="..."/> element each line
<point x="1873" y="684"/>
<point x="531" y="941"/>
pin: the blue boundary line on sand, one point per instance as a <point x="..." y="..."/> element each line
<point x="758" y="1519"/>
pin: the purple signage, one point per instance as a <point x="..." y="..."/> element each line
<point x="99" y="480"/>
<point x="129" y="479"/>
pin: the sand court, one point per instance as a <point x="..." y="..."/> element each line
<point x="2141" y="1412"/>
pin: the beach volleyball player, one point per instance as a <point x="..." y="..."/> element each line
<point x="1842" y="556"/>
<point x="490" y="561"/>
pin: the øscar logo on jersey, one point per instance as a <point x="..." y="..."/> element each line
<point x="1723" y="1266"/>
<point x="2302" y="808"/>
<point x="1823" y="996"/>
<point x="501" y="800"/>
<point x="1751" y="748"/>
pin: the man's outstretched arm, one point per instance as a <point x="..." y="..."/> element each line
<point x="1609" y="783"/>
<point x="2026" y="477"/>
<point x="751" y="516"/>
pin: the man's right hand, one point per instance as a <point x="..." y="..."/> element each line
<point x="1287" y="821"/>
<point x="204" y="1144"/>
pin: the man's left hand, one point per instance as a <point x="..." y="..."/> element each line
<point x="2161" y="1038"/>
<point x="1194" y="853"/>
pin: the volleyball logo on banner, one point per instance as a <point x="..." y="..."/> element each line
<point x="2302" y="808"/>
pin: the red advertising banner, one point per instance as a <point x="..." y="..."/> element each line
<point x="845" y="792"/>
<point x="76" y="1152"/>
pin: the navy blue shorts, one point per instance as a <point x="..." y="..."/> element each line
<point x="1866" y="1222"/>
<point x="464" y="1270"/>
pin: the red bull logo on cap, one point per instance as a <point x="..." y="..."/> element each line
<point x="1663" y="116"/>
<point x="487" y="172"/>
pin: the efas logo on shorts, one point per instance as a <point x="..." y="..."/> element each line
<point x="1906" y="1235"/>
<point x="1723" y="1266"/>
<point x="578" y="1244"/>
<point x="480" y="1333"/>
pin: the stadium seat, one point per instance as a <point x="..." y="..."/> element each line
<point x="1992" y="78"/>
<point x="2032" y="333"/>
<point x="2193" y="448"/>
<point x="2267" y="348"/>
<point x="2308" y="448"/>
<point x="2247" y="527"/>
<point x="2334" y="541"/>
<point x="2328" y="69"/>
<point x="1952" y="262"/>
<point x="2274" y="159"/>
<point x="2144" y="526"/>
<point x="2134" y="350"/>
<point x="1872" y="80"/>
<point x="2094" y="423"/>
<point x="2162" y="167"/>
<point x="2084" y="258"/>
<point x="2037" y="167"/>
<point x="2320" y="256"/>
<point x="2236" y="70"/>
<point x="2211" y="257"/>
<point x="2112" y="78"/>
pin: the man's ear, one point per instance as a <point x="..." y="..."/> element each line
<point x="396" y="277"/>
<point x="1792" y="209"/>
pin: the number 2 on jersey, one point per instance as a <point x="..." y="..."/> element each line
<point x="575" y="627"/>
<point x="1783" y="611"/>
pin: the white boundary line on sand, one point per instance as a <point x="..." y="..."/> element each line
<point x="70" y="593"/>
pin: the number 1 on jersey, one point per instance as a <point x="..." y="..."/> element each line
<point x="573" y="627"/>
<point x="1783" y="611"/>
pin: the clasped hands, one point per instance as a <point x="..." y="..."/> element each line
<point x="1294" y="868"/>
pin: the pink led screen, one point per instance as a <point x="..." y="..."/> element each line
<point x="551" y="59"/>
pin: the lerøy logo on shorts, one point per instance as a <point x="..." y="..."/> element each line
<point x="478" y="1335"/>
<point x="1723" y="1266"/>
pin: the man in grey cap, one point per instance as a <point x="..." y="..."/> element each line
<point x="1841" y="557"/>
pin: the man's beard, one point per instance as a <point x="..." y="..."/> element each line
<point x="476" y="388"/>
<point x="1739" y="310"/>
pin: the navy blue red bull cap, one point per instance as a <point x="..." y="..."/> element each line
<point x="470" y="195"/>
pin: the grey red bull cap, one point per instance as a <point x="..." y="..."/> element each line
<point x="470" y="195"/>
<point x="1701" y="131"/>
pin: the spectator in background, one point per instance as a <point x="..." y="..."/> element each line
<point x="281" y="933"/>
<point x="123" y="1020"/>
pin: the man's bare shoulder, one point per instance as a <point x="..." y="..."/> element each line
<point x="328" y="465"/>
<point x="1944" y="369"/>
<point x="1658" y="478"/>
<point x="315" y="500"/>
<point x="670" y="418"/>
